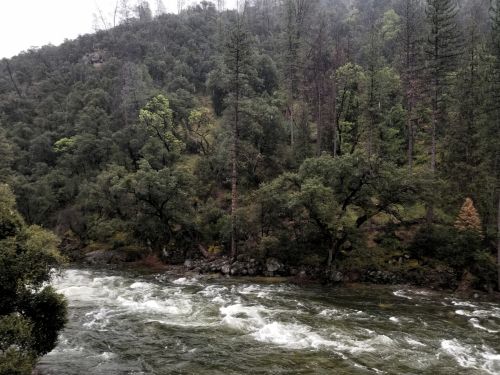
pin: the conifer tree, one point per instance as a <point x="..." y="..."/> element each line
<point x="468" y="218"/>
<point x="238" y="59"/>
<point x="411" y="13"/>
<point x="494" y="124"/>
<point x="443" y="50"/>
<point x="296" y="14"/>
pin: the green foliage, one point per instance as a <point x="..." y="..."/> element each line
<point x="10" y="220"/>
<point x="329" y="199"/>
<point x="157" y="118"/>
<point x="64" y="144"/>
<point x="126" y="137"/>
<point x="31" y="314"/>
<point x="462" y="250"/>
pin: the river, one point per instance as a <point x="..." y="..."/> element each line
<point x="126" y="323"/>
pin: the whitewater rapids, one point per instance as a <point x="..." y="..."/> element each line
<point x="124" y="323"/>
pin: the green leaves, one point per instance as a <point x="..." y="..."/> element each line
<point x="333" y="197"/>
<point x="157" y="118"/>
<point x="30" y="316"/>
<point x="10" y="220"/>
<point x="65" y="144"/>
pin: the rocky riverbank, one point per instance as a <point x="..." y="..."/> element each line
<point x="245" y="266"/>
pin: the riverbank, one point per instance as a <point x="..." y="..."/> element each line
<point x="274" y="271"/>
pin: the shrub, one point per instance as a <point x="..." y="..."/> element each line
<point x="457" y="248"/>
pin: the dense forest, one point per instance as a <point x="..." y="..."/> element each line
<point x="328" y="134"/>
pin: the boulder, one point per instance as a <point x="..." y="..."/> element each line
<point x="226" y="269"/>
<point x="238" y="268"/>
<point x="273" y="265"/>
<point x="336" y="276"/>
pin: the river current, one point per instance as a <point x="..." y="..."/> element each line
<point x="125" y="323"/>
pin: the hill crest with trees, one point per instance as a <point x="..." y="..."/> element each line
<point x="337" y="134"/>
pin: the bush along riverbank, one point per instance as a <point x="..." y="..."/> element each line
<point x="404" y="272"/>
<point x="453" y="257"/>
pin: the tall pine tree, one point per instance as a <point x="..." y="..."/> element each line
<point x="410" y="40"/>
<point x="443" y="50"/>
<point x="493" y="136"/>
<point x="238" y="60"/>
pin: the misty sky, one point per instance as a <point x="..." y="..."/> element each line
<point x="34" y="23"/>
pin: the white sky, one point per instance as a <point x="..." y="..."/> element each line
<point x="34" y="23"/>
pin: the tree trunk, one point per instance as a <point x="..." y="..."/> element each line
<point x="430" y="207"/>
<point x="330" y="256"/>
<point x="12" y="78"/>
<point x="234" y="179"/>
<point x="410" y="142"/>
<point x="205" y="252"/>
<point x="433" y="140"/>
<point x="319" y="126"/>
<point x="332" y="251"/>
<point x="334" y="118"/>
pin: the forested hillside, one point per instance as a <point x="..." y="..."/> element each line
<point x="337" y="133"/>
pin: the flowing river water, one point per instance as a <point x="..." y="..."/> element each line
<point x="125" y="323"/>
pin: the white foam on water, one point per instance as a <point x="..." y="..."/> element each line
<point x="186" y="281"/>
<point x="244" y="308"/>
<point x="350" y="344"/>
<point x="263" y="295"/>
<point x="154" y="305"/>
<point x="402" y="294"/>
<point x="475" y="323"/>
<point x="462" y="354"/>
<point x="219" y="300"/>
<point x="422" y="292"/>
<point x="98" y="318"/>
<point x="256" y="321"/>
<point x="414" y="342"/>
<point x="107" y="355"/>
<point x="249" y="289"/>
<point x="293" y="336"/>
<point x="466" y="356"/>
<point x="463" y="303"/>
<point x="339" y="314"/>
<point x="181" y="323"/>
<point x="242" y="317"/>
<point x="140" y="285"/>
<point x="213" y="291"/>
<point x="479" y="313"/>
<point x="329" y="312"/>
<point x="258" y="290"/>
<point x="491" y="361"/>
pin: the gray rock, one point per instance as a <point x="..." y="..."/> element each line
<point x="238" y="268"/>
<point x="107" y="257"/>
<point x="273" y="265"/>
<point x="336" y="276"/>
<point x="226" y="269"/>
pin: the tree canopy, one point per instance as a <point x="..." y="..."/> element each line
<point x="322" y="130"/>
